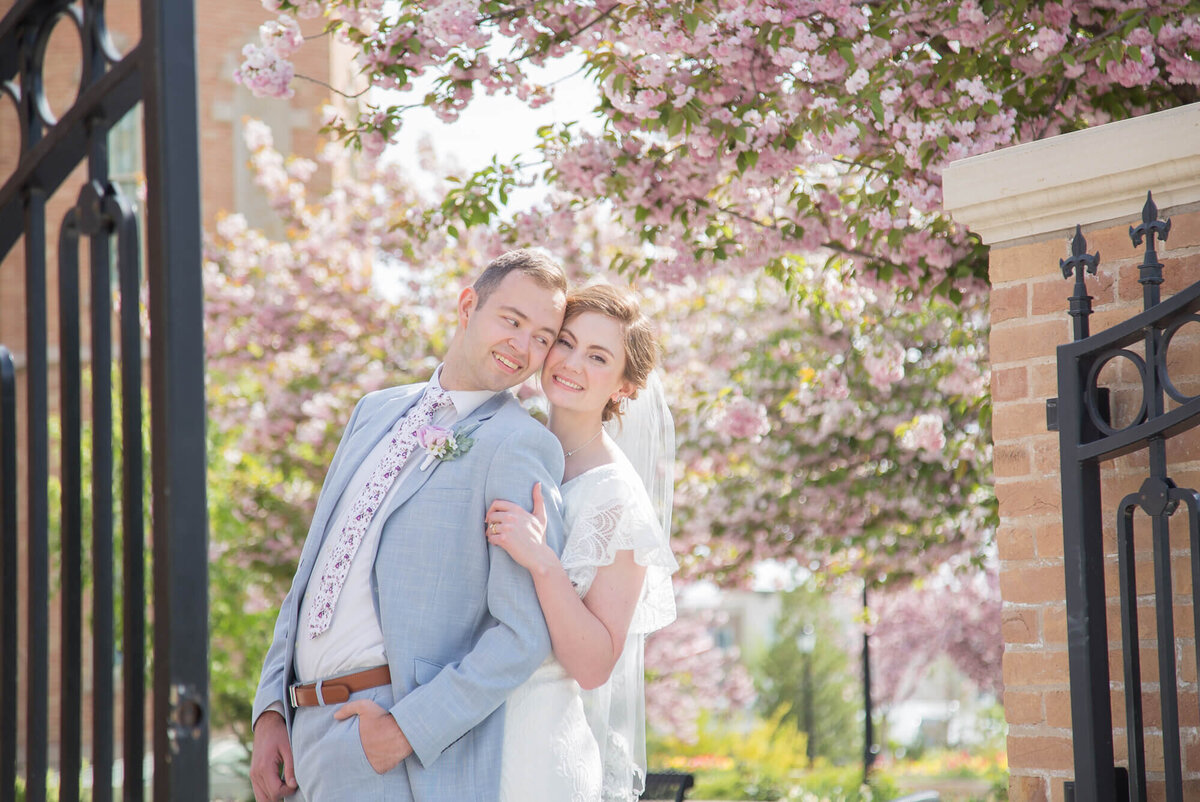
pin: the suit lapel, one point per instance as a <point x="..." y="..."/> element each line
<point x="417" y="479"/>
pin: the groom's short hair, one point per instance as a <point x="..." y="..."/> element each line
<point x="538" y="266"/>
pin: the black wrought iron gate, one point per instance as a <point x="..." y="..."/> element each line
<point x="1087" y="437"/>
<point x="63" y="547"/>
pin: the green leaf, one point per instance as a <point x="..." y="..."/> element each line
<point x="674" y="124"/>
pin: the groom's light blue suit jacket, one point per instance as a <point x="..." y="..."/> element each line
<point x="461" y="621"/>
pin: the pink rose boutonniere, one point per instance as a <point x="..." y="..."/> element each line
<point x="444" y="444"/>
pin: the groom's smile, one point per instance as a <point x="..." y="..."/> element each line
<point x="508" y="364"/>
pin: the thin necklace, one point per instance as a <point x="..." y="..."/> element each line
<point x="590" y="439"/>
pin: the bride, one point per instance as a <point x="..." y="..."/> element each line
<point x="576" y="729"/>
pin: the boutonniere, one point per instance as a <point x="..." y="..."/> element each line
<point x="444" y="444"/>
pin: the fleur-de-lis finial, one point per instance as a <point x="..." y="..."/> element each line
<point x="1150" y="226"/>
<point x="1080" y="260"/>
<point x="1150" y="272"/>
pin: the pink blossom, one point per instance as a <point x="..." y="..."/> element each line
<point x="281" y="36"/>
<point x="1130" y="72"/>
<point x="743" y="418"/>
<point x="373" y="144"/>
<point x="265" y="73"/>
<point x="257" y="135"/>
<point x="885" y="365"/>
<point x="857" y="80"/>
<point x="1048" y="43"/>
<point x="925" y="432"/>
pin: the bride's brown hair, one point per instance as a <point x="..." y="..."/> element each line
<point x="641" y="350"/>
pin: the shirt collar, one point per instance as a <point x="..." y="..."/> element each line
<point x="465" y="401"/>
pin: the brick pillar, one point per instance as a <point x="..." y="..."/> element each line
<point x="1025" y="202"/>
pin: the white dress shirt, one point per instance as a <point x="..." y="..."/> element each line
<point x="354" y="639"/>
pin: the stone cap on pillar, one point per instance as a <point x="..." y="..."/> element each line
<point x="1042" y="189"/>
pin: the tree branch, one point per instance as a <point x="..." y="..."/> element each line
<point x="331" y="88"/>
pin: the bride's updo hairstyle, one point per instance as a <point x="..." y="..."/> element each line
<point x="641" y="351"/>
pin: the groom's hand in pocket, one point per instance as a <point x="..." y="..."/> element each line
<point x="383" y="741"/>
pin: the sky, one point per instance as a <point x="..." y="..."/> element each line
<point x="499" y="125"/>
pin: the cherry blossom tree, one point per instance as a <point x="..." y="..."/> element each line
<point x="833" y="427"/>
<point x="742" y="134"/>
<point x="686" y="673"/>
<point x="953" y="615"/>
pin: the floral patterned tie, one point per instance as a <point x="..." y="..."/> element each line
<point x="362" y="509"/>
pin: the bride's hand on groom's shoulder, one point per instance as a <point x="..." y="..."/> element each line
<point x="522" y="534"/>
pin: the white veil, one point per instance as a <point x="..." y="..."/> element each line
<point x="617" y="709"/>
<point x="645" y="433"/>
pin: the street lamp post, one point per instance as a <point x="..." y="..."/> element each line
<point x="870" y="750"/>
<point x="806" y="643"/>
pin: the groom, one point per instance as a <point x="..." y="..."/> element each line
<point x="403" y="631"/>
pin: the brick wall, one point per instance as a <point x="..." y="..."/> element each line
<point x="1023" y="202"/>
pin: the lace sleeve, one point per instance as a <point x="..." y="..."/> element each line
<point x="614" y="514"/>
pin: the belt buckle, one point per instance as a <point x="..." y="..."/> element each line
<point x="292" y="696"/>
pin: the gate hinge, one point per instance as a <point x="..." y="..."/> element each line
<point x="1102" y="406"/>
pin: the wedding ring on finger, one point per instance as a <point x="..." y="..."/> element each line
<point x="492" y="526"/>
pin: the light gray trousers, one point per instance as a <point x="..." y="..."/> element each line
<point x="329" y="761"/>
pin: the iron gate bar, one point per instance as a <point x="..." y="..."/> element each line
<point x="120" y="213"/>
<point x="1169" y="424"/>
<point x="38" y="552"/>
<point x="8" y="570"/>
<point x="1127" y="570"/>
<point x="177" y="404"/>
<point x="70" y="708"/>
<point x="102" y="489"/>
<point x="1192" y="500"/>
<point x="1164" y="602"/>
<point x="1087" y="636"/>
<point x="97" y="52"/>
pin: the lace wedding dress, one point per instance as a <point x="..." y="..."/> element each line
<point x="561" y="743"/>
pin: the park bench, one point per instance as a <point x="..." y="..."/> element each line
<point x="668" y="785"/>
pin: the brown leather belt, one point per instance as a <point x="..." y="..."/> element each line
<point x="338" y="689"/>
